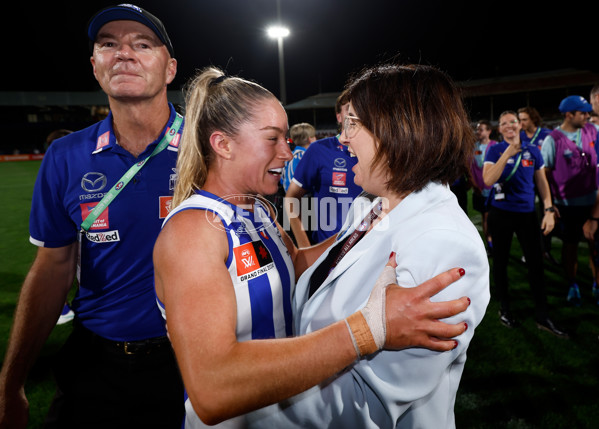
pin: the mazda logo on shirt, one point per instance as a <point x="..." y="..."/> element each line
<point x="93" y="182"/>
<point x="339" y="163"/>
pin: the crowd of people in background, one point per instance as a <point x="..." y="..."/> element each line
<point x="539" y="183"/>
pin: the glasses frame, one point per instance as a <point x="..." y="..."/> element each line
<point x="512" y="122"/>
<point x="351" y="129"/>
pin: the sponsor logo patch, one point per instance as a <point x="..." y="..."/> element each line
<point x="175" y="141"/>
<point x="339" y="179"/>
<point x="101" y="222"/>
<point x="103" y="237"/>
<point x="93" y="182"/>
<point x="340" y="163"/>
<point x="337" y="190"/>
<point x="253" y="259"/>
<point x="103" y="140"/>
<point x="165" y="206"/>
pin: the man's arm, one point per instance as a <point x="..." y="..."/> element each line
<point x="42" y="297"/>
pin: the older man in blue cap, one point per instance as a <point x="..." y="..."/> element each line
<point x="571" y="167"/>
<point x="98" y="205"/>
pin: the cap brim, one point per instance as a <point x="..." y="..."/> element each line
<point x="115" y="14"/>
<point x="118" y="13"/>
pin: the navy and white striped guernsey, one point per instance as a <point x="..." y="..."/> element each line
<point x="261" y="271"/>
<point x="259" y="265"/>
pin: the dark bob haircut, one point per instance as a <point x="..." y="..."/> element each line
<point x="419" y="123"/>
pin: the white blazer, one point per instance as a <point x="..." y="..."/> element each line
<point x="430" y="234"/>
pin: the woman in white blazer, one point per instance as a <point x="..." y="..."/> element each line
<point x="410" y="132"/>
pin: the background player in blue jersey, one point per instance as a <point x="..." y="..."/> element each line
<point x="325" y="171"/>
<point x="302" y="136"/>
<point x="117" y="368"/>
<point x="513" y="169"/>
<point x="225" y="271"/>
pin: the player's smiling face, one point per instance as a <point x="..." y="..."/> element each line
<point x="129" y="61"/>
<point x="261" y="148"/>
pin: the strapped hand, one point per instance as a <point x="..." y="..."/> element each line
<point x="397" y="318"/>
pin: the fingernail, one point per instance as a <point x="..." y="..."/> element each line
<point x="465" y="326"/>
<point x="462" y="272"/>
<point x="455" y="344"/>
<point x="392" y="254"/>
<point x="469" y="302"/>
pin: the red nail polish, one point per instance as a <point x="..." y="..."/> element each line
<point x="392" y="254"/>
<point x="469" y="302"/>
<point x="462" y="272"/>
<point x="455" y="344"/>
<point x="465" y="326"/>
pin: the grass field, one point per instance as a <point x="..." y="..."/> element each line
<point x="514" y="378"/>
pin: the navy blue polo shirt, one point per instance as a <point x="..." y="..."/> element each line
<point x="116" y="297"/>
<point x="325" y="170"/>
<point x="519" y="190"/>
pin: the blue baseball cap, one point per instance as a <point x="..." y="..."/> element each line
<point x="575" y="103"/>
<point x="129" y="12"/>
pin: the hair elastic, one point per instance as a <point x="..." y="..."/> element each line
<point x="218" y="80"/>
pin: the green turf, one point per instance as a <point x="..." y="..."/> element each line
<point x="514" y="378"/>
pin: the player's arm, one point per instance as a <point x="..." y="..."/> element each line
<point x="224" y="377"/>
<point x="42" y="298"/>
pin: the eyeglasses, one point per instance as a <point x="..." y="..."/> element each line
<point x="512" y="122"/>
<point x="351" y="126"/>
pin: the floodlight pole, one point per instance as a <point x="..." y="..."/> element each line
<point x="279" y="32"/>
<point x="282" y="85"/>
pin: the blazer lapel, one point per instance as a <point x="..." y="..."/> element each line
<point x="355" y="252"/>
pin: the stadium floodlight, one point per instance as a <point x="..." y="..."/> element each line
<point x="277" y="32"/>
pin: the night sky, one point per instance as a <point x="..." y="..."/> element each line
<point x="46" y="49"/>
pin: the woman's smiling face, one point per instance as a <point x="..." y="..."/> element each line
<point x="362" y="144"/>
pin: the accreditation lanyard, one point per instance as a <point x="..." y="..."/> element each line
<point x="123" y="181"/>
<point x="517" y="163"/>
<point x="357" y="234"/>
<point x="536" y="135"/>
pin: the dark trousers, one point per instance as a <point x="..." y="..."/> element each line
<point x="101" y="386"/>
<point x="502" y="226"/>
